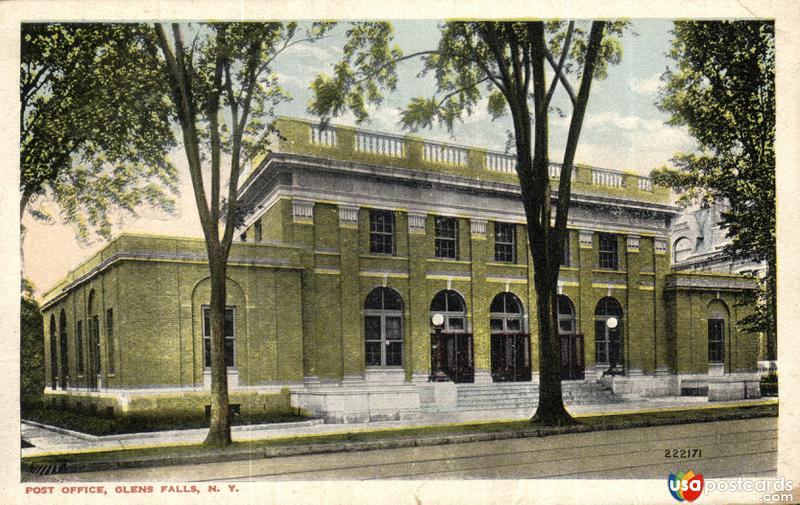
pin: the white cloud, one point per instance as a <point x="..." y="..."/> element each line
<point x="630" y="142"/>
<point x="648" y="86"/>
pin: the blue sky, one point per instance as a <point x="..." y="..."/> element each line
<point x="623" y="129"/>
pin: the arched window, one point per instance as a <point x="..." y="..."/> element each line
<point x="383" y="328"/>
<point x="717" y="326"/>
<point x="566" y="316"/>
<point x="681" y="249"/>
<point x="451" y="305"/>
<point x="64" y="344"/>
<point x="608" y="331"/>
<point x="53" y="353"/>
<point x="506" y="314"/>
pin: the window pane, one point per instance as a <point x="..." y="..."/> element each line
<point x="608" y="251"/>
<point x="229" y="330"/>
<point x="372" y="327"/>
<point x="381" y="231"/>
<point x="514" y="324"/>
<point x="229" y="343"/>
<point x="455" y="323"/>
<point x="504" y="242"/>
<point x="439" y="303"/>
<point x="393" y="328"/>
<point x="600" y="330"/>
<point x="497" y="304"/>
<point x="372" y="354"/>
<point x="513" y="305"/>
<point x="206" y="322"/>
<point x="110" y="340"/>
<point x="207" y="352"/>
<point x="392" y="300"/>
<point x="446" y="237"/>
<point x="454" y="302"/>
<point x="565" y="305"/>
<point x="374" y="300"/>
<point x="496" y="324"/>
<point x="565" y="325"/>
<point x="394" y="353"/>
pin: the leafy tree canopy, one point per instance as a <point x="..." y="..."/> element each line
<point x="95" y="123"/>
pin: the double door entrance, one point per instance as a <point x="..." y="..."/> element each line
<point x="572" y="363"/>
<point x="511" y="357"/>
<point x="451" y="357"/>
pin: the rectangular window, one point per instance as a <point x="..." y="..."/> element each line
<point x="716" y="341"/>
<point x="110" y="340"/>
<point x="257" y="232"/>
<point x="230" y="336"/>
<point x="505" y="242"/>
<point x="95" y="343"/>
<point x="381" y="231"/>
<point x="565" y="255"/>
<point x="446" y="237"/>
<point x="609" y="257"/>
<point x="79" y="346"/>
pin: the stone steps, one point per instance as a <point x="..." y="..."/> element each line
<point x="525" y="395"/>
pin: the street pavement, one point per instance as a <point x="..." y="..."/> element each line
<point x="746" y="448"/>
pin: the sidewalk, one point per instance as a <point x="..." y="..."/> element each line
<point x="49" y="440"/>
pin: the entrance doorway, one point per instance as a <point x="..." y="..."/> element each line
<point x="451" y="343"/>
<point x="511" y="347"/>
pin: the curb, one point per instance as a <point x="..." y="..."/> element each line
<point x="247" y="453"/>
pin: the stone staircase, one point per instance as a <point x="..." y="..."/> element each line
<point x="524" y="395"/>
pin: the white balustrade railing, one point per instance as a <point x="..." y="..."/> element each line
<point x="501" y="162"/>
<point x="323" y="136"/>
<point x="375" y="143"/>
<point x="439" y="153"/>
<point x="645" y="184"/>
<point x="555" y="171"/>
<point x="606" y="178"/>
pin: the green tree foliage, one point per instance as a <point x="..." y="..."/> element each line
<point x="224" y="94"/>
<point x="506" y="61"/>
<point x="31" y="351"/>
<point x="95" y="123"/>
<point x="723" y="90"/>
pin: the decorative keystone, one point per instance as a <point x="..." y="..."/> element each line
<point x="416" y="223"/>
<point x="585" y="239"/>
<point x="303" y="211"/>
<point x="348" y="216"/>
<point x="477" y="228"/>
<point x="633" y="243"/>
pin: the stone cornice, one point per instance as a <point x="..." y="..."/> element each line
<point x="288" y="162"/>
<point x="707" y="281"/>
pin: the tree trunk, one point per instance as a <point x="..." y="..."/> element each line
<point x="219" y="432"/>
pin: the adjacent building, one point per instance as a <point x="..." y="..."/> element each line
<point x="382" y="276"/>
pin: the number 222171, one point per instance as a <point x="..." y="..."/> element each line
<point x="683" y="453"/>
